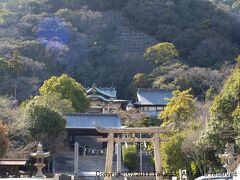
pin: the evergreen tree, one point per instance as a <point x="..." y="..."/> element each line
<point x="160" y="53"/>
<point x="67" y="88"/>
<point x="223" y="125"/>
<point x="179" y="110"/>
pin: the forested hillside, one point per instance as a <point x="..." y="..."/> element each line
<point x="51" y="50"/>
<point x="105" y="41"/>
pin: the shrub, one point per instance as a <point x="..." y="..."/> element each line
<point x="130" y="158"/>
<point x="39" y="123"/>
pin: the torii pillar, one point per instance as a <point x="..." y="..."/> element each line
<point x="156" y="131"/>
<point x="158" y="161"/>
<point x="109" y="156"/>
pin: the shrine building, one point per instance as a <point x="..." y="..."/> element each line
<point x="104" y="100"/>
<point x="152" y="101"/>
<point x="81" y="127"/>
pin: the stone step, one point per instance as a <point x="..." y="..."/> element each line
<point x="88" y="141"/>
<point x="147" y="165"/>
<point x="93" y="163"/>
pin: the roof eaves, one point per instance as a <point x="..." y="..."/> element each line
<point x="154" y="90"/>
<point x="90" y="114"/>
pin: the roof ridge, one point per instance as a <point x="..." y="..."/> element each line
<point x="89" y="114"/>
<point x="154" y="89"/>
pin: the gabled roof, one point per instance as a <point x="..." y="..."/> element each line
<point x="108" y="100"/>
<point x="147" y="96"/>
<point x="89" y="121"/>
<point x="107" y="92"/>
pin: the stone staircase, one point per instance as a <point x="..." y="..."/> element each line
<point x="89" y="163"/>
<point x="116" y="178"/>
<point x="85" y="141"/>
<point x="96" y="163"/>
<point x="147" y="165"/>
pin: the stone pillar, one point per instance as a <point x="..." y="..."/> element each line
<point x="84" y="152"/>
<point x="119" y="157"/>
<point x="180" y="174"/>
<point x="109" y="157"/>
<point x="158" y="164"/>
<point x="140" y="154"/>
<point x="103" y="108"/>
<point x="53" y="167"/>
<point x="76" y="154"/>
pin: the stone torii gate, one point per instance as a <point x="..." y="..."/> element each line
<point x="156" y="131"/>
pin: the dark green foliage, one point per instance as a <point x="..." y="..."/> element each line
<point x="102" y="5"/>
<point x="45" y="122"/>
<point x="24" y="87"/>
<point x="199" y="152"/>
<point x="40" y="123"/>
<point x="223" y="125"/>
<point x="52" y="101"/>
<point x="203" y="35"/>
<point x="15" y="64"/>
<point x="140" y="81"/>
<point x="179" y="76"/>
<point x="3" y="69"/>
<point x="130" y="157"/>
<point x="179" y="110"/>
<point x="172" y="155"/>
<point x="210" y="94"/>
<point x="150" y="121"/>
<point x="66" y="88"/>
<point x="161" y="53"/>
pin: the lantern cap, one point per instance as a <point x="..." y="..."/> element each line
<point x="40" y="153"/>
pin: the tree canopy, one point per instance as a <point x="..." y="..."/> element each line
<point x="160" y="53"/>
<point x="173" y="156"/>
<point x="67" y="88"/>
<point x="179" y="109"/>
<point x="223" y="125"/>
<point x="90" y="40"/>
<point x="201" y="32"/>
<point x="42" y="124"/>
<point x="53" y="101"/>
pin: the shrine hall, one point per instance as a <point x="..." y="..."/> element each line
<point x="104" y="100"/>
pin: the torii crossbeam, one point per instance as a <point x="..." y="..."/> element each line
<point x="156" y="131"/>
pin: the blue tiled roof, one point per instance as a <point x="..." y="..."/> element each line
<point x="89" y="121"/>
<point x="153" y="96"/>
<point x="110" y="92"/>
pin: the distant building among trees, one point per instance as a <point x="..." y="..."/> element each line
<point x="104" y="100"/>
<point x="151" y="100"/>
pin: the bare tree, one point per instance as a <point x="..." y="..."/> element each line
<point x="196" y="150"/>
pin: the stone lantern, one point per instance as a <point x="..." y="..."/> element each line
<point x="40" y="155"/>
